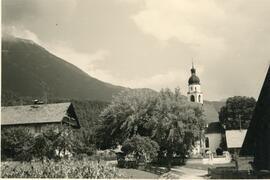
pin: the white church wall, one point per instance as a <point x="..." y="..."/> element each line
<point x="214" y="141"/>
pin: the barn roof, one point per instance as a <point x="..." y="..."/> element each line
<point x="235" y="138"/>
<point x="32" y="114"/>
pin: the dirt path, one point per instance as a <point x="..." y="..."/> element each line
<point x="189" y="173"/>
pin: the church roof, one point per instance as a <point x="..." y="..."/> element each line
<point x="210" y="110"/>
<point x="214" y="127"/>
<point x="194" y="80"/>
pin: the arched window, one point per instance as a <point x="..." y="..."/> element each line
<point x="192" y="98"/>
<point x="199" y="98"/>
<point x="195" y="88"/>
<point x="207" y="142"/>
<point x="191" y="88"/>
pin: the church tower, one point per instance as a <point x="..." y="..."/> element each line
<point x="194" y="88"/>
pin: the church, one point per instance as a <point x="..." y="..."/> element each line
<point x="214" y="132"/>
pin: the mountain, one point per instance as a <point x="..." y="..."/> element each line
<point x="29" y="70"/>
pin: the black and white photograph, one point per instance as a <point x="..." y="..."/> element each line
<point x="135" y="89"/>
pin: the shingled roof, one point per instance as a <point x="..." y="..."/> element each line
<point x="38" y="113"/>
<point x="257" y="141"/>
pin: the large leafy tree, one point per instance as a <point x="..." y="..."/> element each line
<point x="128" y="114"/>
<point x="165" y="117"/>
<point x="237" y="112"/>
<point x="177" y="124"/>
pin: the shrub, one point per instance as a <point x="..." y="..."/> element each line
<point x="143" y="148"/>
<point x="16" y="143"/>
<point x="60" y="169"/>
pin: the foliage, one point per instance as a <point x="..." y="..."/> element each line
<point x="16" y="143"/>
<point x="128" y="114"/>
<point x="165" y="117"/>
<point x="59" y="169"/>
<point x="143" y="148"/>
<point x="237" y="108"/>
<point x="19" y="144"/>
<point x="177" y="124"/>
<point x="82" y="144"/>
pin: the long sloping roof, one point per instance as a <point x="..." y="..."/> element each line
<point x="32" y="114"/>
<point x="257" y="141"/>
<point x="235" y="138"/>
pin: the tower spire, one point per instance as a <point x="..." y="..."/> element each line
<point x="193" y="70"/>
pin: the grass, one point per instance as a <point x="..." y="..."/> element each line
<point x="206" y="166"/>
<point x="137" y="174"/>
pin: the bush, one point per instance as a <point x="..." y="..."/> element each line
<point x="16" y="143"/>
<point x="19" y="144"/>
<point x="143" y="148"/>
<point x="60" y="169"/>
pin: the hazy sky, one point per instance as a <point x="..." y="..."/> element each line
<point x="151" y="43"/>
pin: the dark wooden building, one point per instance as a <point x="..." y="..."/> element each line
<point x="257" y="140"/>
<point x="38" y="117"/>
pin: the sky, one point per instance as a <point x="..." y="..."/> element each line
<point x="152" y="43"/>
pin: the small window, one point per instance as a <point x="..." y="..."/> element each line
<point x="191" y="88"/>
<point x="199" y="98"/>
<point x="37" y="129"/>
<point x="195" y="88"/>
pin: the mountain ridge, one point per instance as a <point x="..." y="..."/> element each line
<point x="28" y="69"/>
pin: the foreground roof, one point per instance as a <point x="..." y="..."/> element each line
<point x="32" y="114"/>
<point x="235" y="138"/>
<point x="257" y="141"/>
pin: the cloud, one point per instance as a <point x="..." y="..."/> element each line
<point x="151" y="43"/>
<point x="20" y="32"/>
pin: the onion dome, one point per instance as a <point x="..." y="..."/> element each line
<point x="193" y="79"/>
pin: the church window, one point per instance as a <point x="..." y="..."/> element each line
<point x="199" y="98"/>
<point x="191" y="88"/>
<point x="192" y="98"/>
<point x="207" y="142"/>
<point x="195" y="88"/>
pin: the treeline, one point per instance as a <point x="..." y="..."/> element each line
<point x="18" y="143"/>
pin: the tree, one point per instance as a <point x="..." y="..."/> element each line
<point x="143" y="148"/>
<point x="128" y="114"/>
<point x="16" y="143"/>
<point x="177" y="124"/>
<point x="165" y="117"/>
<point x="237" y="112"/>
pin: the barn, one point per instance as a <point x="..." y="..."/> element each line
<point x="38" y="117"/>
